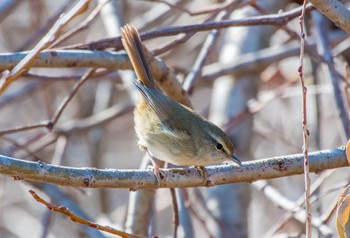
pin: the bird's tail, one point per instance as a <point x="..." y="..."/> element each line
<point x="133" y="46"/>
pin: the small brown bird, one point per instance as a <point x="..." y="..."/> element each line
<point x="166" y="129"/>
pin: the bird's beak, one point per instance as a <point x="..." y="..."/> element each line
<point x="237" y="161"/>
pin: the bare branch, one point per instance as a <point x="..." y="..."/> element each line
<point x="335" y="11"/>
<point x="299" y="213"/>
<point x="182" y="177"/>
<point x="329" y="69"/>
<point x="69" y="97"/>
<point x="78" y="219"/>
<point x="306" y="132"/>
<point x="10" y="76"/>
<point x="273" y="19"/>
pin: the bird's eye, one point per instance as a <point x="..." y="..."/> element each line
<point x="219" y="146"/>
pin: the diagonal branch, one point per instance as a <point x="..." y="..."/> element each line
<point x="272" y="19"/>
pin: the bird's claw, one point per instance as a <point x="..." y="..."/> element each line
<point x="203" y="172"/>
<point x="159" y="174"/>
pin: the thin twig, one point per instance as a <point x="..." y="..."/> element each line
<point x="16" y="144"/>
<point x="69" y="97"/>
<point x="299" y="202"/>
<point x="180" y="39"/>
<point x="25" y="128"/>
<point x="330" y="71"/>
<point x="279" y="200"/>
<point x="100" y="74"/>
<point x="78" y="219"/>
<point x="82" y="26"/>
<point x="263" y="11"/>
<point x="183" y="38"/>
<point x="208" y="45"/>
<point x="39" y="142"/>
<point x="50" y="124"/>
<point x="33" y="38"/>
<point x="24" y="142"/>
<point x="96" y="120"/>
<point x="159" y="13"/>
<point x="304" y="125"/>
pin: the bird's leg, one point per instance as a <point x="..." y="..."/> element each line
<point x="157" y="172"/>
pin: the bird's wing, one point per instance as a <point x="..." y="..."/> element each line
<point x="165" y="108"/>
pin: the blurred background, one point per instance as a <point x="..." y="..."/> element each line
<point x="244" y="79"/>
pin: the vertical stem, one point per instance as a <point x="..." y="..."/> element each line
<point x="304" y="125"/>
<point x="175" y="211"/>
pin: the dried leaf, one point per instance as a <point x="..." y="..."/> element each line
<point x="348" y="152"/>
<point x="343" y="214"/>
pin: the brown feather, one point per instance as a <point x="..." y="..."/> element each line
<point x="133" y="46"/>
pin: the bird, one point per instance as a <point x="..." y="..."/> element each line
<point x="166" y="129"/>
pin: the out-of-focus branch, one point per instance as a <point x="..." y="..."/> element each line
<point x="82" y="26"/>
<point x="187" y="177"/>
<point x="298" y="204"/>
<point x="249" y="62"/>
<point x="69" y="97"/>
<point x="184" y="37"/>
<point x="335" y="11"/>
<point x="52" y="122"/>
<point x="6" y="7"/>
<point x="10" y="76"/>
<point x="96" y="120"/>
<point x="258" y="60"/>
<point x="45" y="28"/>
<point x="273" y="19"/>
<point x="208" y="46"/>
<point x="299" y="213"/>
<point x="330" y="71"/>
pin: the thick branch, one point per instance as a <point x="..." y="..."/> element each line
<point x="187" y="177"/>
<point x="69" y="59"/>
<point x="249" y="62"/>
<point x="100" y="59"/>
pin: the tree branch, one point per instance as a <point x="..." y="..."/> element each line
<point x="271" y="19"/>
<point x="335" y="11"/>
<point x="182" y="177"/>
<point x="100" y="59"/>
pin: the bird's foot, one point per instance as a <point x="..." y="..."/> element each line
<point x="155" y="167"/>
<point x="159" y="174"/>
<point x="203" y="172"/>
